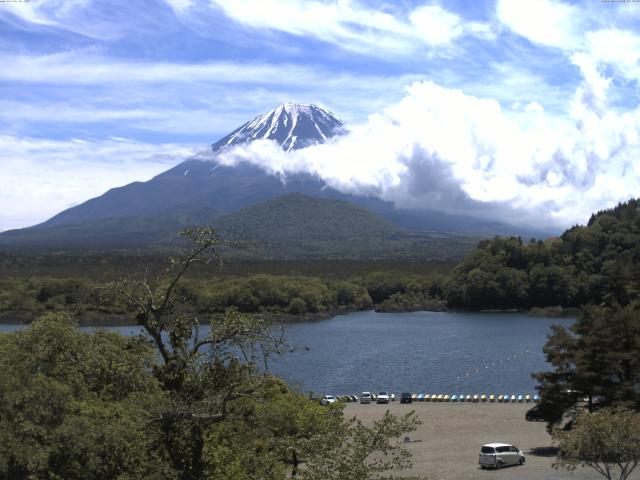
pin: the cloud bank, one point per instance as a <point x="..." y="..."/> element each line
<point x="444" y="149"/>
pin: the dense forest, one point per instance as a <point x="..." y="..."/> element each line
<point x="290" y="227"/>
<point x="591" y="264"/>
<point x="92" y="302"/>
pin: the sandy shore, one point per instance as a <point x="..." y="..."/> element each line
<point x="447" y="444"/>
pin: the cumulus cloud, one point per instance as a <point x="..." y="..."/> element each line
<point x="43" y="177"/>
<point x="577" y="28"/>
<point x="441" y="148"/>
<point x="546" y="22"/>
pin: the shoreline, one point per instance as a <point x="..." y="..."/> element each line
<point x="93" y="320"/>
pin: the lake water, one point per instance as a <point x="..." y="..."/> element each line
<point x="417" y="352"/>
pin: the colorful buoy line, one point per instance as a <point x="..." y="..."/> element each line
<point x="461" y="397"/>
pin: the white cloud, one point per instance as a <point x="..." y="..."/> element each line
<point x="78" y="16"/>
<point x="533" y="107"/>
<point x="42" y="177"/>
<point x="620" y="48"/>
<point x="578" y="29"/>
<point x="441" y="148"/>
<point x="592" y="94"/>
<point x="347" y="24"/>
<point x="186" y="98"/>
<point x="78" y="68"/>
<point x="546" y="22"/>
<point x="435" y="25"/>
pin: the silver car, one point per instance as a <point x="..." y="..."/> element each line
<point x="498" y="455"/>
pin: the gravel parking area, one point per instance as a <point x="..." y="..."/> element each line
<point x="447" y="444"/>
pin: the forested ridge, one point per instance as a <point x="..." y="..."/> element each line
<point x="289" y="227"/>
<point x="591" y="264"/>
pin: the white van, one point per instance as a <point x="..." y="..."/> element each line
<point x="498" y="455"/>
<point x="365" y="397"/>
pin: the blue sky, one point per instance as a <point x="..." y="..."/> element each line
<point x="99" y="94"/>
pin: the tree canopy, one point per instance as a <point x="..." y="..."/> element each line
<point x="591" y="264"/>
<point x="598" y="357"/>
<point x="74" y="405"/>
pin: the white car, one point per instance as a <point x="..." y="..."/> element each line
<point x="365" y="397"/>
<point x="498" y="455"/>
<point x="328" y="399"/>
<point x="383" y="397"/>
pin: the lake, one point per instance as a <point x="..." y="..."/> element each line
<point x="432" y="352"/>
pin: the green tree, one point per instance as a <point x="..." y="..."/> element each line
<point x="597" y="358"/>
<point x="274" y="437"/>
<point x="607" y="441"/>
<point x="76" y="405"/>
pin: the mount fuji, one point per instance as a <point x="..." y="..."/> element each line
<point x="203" y="183"/>
<point x="292" y="125"/>
<point x="205" y="191"/>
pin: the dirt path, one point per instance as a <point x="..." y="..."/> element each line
<point x="447" y="444"/>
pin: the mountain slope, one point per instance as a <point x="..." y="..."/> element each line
<point x="202" y="190"/>
<point x="197" y="183"/>
<point x="298" y="226"/>
<point x="293" y="226"/>
<point x="296" y="217"/>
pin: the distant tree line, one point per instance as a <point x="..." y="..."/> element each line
<point x="26" y="298"/>
<point x="593" y="264"/>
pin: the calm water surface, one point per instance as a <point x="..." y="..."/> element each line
<point x="418" y="352"/>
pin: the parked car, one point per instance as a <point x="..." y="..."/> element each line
<point x="365" y="397"/>
<point x="328" y="399"/>
<point x="405" y="397"/>
<point x="498" y="455"/>
<point x="383" y="397"/>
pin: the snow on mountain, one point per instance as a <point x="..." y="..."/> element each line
<point x="292" y="125"/>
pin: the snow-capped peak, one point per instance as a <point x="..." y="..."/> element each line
<point x="292" y="125"/>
